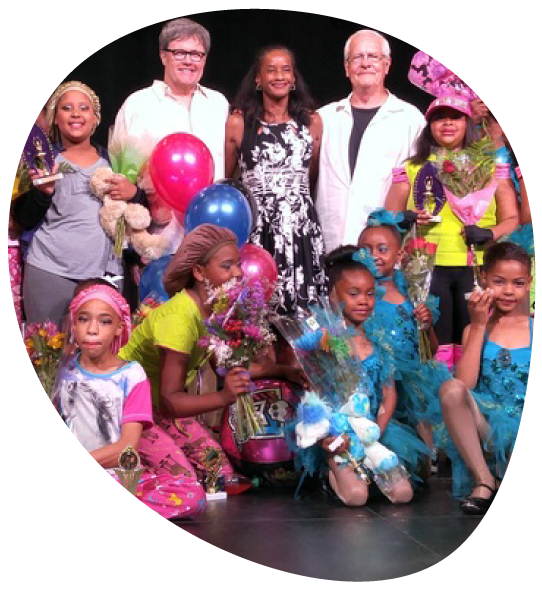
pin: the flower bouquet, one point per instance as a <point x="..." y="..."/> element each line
<point x="417" y="265"/>
<point x="237" y="332"/>
<point x="145" y="307"/>
<point x="469" y="180"/>
<point x="320" y="340"/>
<point x="44" y="344"/>
<point x="469" y="170"/>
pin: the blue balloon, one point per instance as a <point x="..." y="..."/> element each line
<point x="150" y="282"/>
<point x="222" y="205"/>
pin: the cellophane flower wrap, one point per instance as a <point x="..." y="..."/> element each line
<point x="320" y="339"/>
<point x="237" y="333"/>
<point x="44" y="344"/>
<point x="468" y="178"/>
<point x="417" y="264"/>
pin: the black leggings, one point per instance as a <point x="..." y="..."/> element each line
<point x="450" y="283"/>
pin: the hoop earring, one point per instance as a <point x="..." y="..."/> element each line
<point x="292" y="87"/>
<point x="258" y="87"/>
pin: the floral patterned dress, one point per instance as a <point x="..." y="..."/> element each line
<point x="274" y="162"/>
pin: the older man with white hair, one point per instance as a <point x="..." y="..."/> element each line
<point x="365" y="136"/>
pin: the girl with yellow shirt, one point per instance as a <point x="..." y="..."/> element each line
<point x="417" y="191"/>
<point x="165" y="344"/>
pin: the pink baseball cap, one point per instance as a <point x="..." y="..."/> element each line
<point x="451" y="100"/>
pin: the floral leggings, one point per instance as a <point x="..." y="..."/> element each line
<point x="15" y="278"/>
<point x="173" y="451"/>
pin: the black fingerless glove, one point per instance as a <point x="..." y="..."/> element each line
<point x="409" y="218"/>
<point x="476" y="235"/>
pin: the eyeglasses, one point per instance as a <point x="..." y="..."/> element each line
<point x="180" y="54"/>
<point x="370" y="57"/>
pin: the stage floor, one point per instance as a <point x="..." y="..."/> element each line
<point x="318" y="537"/>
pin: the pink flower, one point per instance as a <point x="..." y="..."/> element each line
<point x="252" y="332"/>
<point x="431" y="248"/>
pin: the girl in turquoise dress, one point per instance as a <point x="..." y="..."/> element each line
<point x="417" y="383"/>
<point x="482" y="408"/>
<point x="351" y="274"/>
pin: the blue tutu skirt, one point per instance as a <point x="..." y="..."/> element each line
<point x="398" y="438"/>
<point x="503" y="430"/>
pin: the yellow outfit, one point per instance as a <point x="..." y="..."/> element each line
<point x="176" y="325"/>
<point x="452" y="250"/>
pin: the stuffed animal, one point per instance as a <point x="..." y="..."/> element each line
<point x="371" y="460"/>
<point x="126" y="222"/>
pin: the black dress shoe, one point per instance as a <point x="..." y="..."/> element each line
<point x="478" y="505"/>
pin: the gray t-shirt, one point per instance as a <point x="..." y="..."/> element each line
<point x="71" y="242"/>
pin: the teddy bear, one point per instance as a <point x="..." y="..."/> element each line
<point x="126" y="222"/>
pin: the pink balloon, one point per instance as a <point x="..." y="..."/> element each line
<point x="180" y="166"/>
<point x="258" y="264"/>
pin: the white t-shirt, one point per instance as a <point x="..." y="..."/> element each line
<point x="95" y="406"/>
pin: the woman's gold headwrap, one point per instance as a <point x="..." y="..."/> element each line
<point x="53" y="102"/>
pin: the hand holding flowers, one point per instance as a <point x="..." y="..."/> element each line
<point x="417" y="264"/>
<point x="237" y="332"/>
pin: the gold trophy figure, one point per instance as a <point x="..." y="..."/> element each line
<point x="214" y="481"/>
<point x="129" y="469"/>
<point x="429" y="199"/>
<point x="38" y="155"/>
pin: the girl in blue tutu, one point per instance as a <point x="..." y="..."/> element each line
<point x="417" y="383"/>
<point x="351" y="274"/>
<point x="482" y="408"/>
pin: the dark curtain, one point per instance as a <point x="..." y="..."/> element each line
<point x="132" y="62"/>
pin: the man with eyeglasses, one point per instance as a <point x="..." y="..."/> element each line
<point x="176" y="104"/>
<point x="364" y="137"/>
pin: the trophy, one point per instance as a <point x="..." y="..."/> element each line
<point x="129" y="469"/>
<point x="38" y="155"/>
<point x="214" y="481"/>
<point x="429" y="193"/>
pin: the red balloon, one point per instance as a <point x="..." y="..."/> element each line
<point x="258" y="264"/>
<point x="180" y="166"/>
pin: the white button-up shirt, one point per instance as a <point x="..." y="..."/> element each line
<point x="148" y="115"/>
<point x="343" y="201"/>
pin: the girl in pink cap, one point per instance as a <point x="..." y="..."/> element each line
<point x="106" y="401"/>
<point x="460" y="225"/>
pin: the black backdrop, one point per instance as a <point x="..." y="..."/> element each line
<point x="132" y="62"/>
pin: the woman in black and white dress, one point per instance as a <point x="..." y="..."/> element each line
<point x="274" y="134"/>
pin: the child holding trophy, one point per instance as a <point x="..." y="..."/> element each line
<point x="106" y="401"/>
<point x="461" y="199"/>
<point x="69" y="245"/>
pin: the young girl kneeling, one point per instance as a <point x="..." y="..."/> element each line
<point x="106" y="402"/>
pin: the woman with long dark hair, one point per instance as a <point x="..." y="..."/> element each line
<point x="274" y="134"/>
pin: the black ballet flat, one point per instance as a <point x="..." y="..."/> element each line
<point x="478" y="505"/>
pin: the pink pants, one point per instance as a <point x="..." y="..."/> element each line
<point x="170" y="496"/>
<point x="174" y="451"/>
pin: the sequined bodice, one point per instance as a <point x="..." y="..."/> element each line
<point x="504" y="374"/>
<point x="399" y="322"/>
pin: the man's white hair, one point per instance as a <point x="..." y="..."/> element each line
<point x="363" y="32"/>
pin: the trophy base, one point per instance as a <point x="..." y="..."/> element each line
<point x="47" y="179"/>
<point x="216" y="496"/>
<point x="468" y="294"/>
